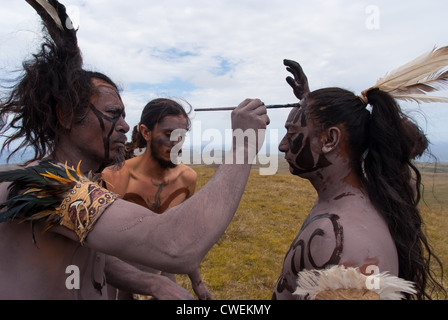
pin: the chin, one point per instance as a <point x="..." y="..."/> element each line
<point x="118" y="158"/>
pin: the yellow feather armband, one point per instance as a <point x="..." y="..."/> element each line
<point x="59" y="194"/>
<point x="83" y="205"/>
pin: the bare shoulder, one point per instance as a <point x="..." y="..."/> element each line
<point x="187" y="174"/>
<point x="368" y="241"/>
<point x="358" y="238"/>
<point x="115" y="177"/>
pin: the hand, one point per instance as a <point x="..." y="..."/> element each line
<point x="249" y="120"/>
<point x="166" y="289"/>
<point x="201" y="291"/>
<point x="300" y="82"/>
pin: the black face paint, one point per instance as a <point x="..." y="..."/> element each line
<point x="292" y="117"/>
<point x="305" y="158"/>
<point x="301" y="146"/>
<point x="106" y="139"/>
<point x="296" y="144"/>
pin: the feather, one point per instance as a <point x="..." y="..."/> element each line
<point x="59" y="26"/>
<point x="413" y="80"/>
<point x="36" y="191"/>
<point x="311" y="282"/>
<point x="51" y="11"/>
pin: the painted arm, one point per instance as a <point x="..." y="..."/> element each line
<point x="198" y="286"/>
<point x="126" y="277"/>
<point x="179" y="239"/>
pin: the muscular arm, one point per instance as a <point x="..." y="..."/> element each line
<point x="179" y="239"/>
<point x="198" y="286"/>
<point x="131" y="279"/>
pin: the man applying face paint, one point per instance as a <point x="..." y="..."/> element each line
<point x="109" y="110"/>
<point x="73" y="120"/>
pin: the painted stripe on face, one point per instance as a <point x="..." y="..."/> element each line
<point x="305" y="158"/>
<point x="106" y="138"/>
<point x="301" y="145"/>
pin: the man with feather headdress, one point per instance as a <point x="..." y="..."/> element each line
<point x="57" y="219"/>
<point x="363" y="238"/>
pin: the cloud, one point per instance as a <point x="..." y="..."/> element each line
<point x="217" y="53"/>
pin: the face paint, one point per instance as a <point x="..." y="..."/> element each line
<point x="106" y="138"/>
<point x="163" y="141"/>
<point x="298" y="143"/>
<point x="107" y="106"/>
<point x="305" y="158"/>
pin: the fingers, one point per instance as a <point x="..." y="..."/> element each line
<point x="259" y="109"/>
<point x="300" y="82"/>
<point x="250" y="113"/>
<point x="251" y="104"/>
<point x="293" y="65"/>
<point x="291" y="82"/>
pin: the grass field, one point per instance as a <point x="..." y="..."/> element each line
<point x="247" y="260"/>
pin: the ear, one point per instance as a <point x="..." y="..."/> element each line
<point x="331" y="139"/>
<point x="64" y="120"/>
<point x="145" y="132"/>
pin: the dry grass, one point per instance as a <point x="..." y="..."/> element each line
<point x="247" y="260"/>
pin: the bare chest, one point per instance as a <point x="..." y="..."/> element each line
<point x="156" y="196"/>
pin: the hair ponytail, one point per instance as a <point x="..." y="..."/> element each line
<point x="389" y="176"/>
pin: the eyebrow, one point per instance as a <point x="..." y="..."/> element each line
<point x="109" y="88"/>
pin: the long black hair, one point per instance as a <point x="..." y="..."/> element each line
<point x="154" y="112"/>
<point x="53" y="85"/>
<point x="382" y="144"/>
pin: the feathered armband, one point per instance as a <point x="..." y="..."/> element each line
<point x="58" y="194"/>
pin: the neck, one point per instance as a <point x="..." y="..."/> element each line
<point x="332" y="181"/>
<point x="72" y="159"/>
<point x="150" y="167"/>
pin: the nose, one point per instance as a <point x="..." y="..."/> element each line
<point x="122" y="125"/>
<point x="284" y="145"/>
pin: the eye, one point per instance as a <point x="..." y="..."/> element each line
<point x="116" y="113"/>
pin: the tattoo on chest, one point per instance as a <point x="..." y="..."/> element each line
<point x="156" y="204"/>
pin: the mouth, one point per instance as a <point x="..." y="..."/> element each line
<point x="121" y="141"/>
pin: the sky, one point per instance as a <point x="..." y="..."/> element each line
<point x="217" y="53"/>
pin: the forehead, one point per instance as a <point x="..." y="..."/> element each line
<point x="172" y="123"/>
<point x="297" y="116"/>
<point x="105" y="93"/>
<point x="294" y="115"/>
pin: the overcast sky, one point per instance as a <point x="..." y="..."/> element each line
<point x="217" y="53"/>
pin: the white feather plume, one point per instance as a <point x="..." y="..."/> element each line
<point x="418" y="77"/>
<point x="52" y="12"/>
<point x="311" y="282"/>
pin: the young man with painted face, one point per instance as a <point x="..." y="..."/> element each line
<point x="365" y="219"/>
<point x="152" y="179"/>
<point x="60" y="229"/>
